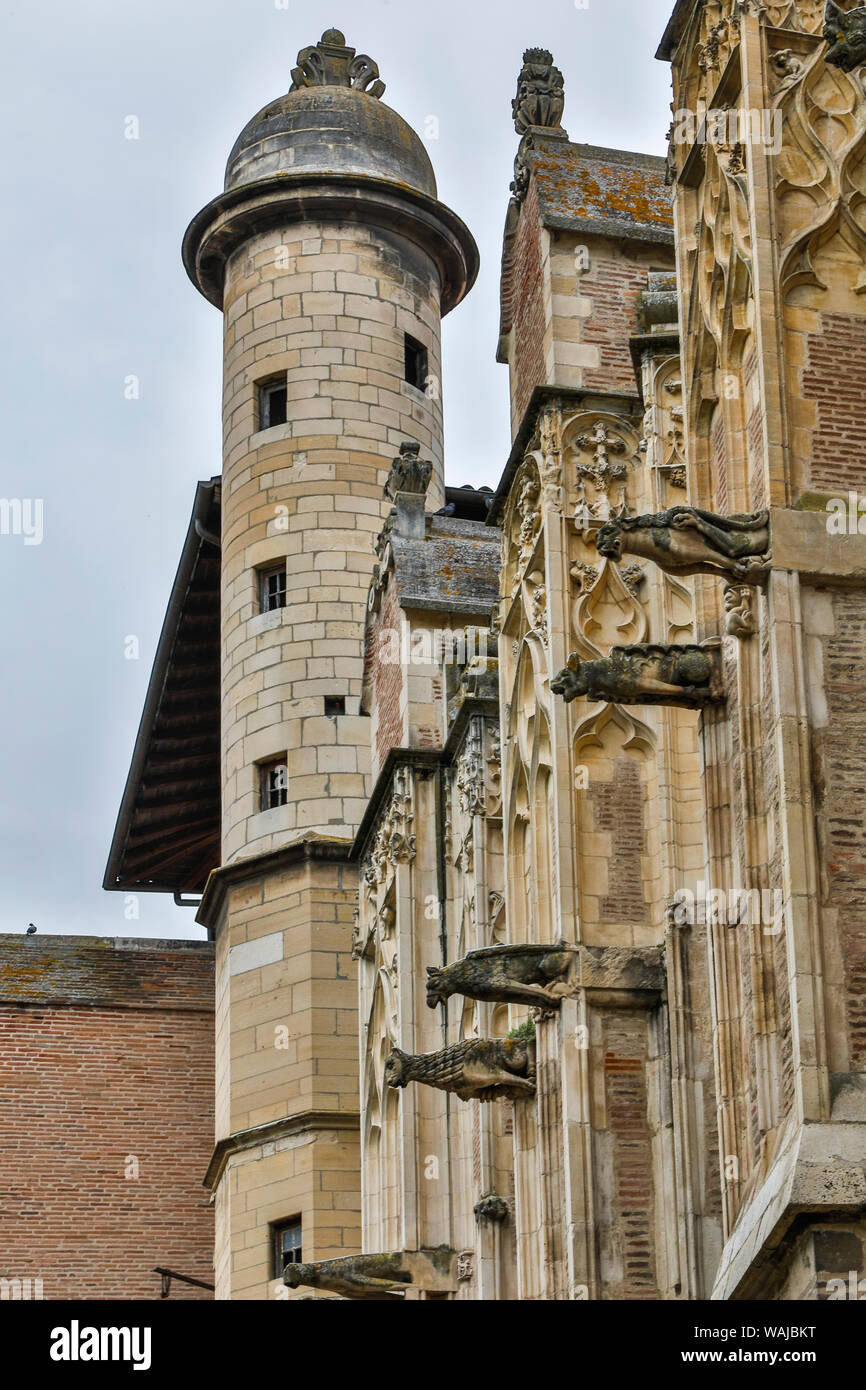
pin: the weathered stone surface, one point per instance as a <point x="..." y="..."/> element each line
<point x="540" y="99"/>
<point x="645" y="674"/>
<point x="491" y="1209"/>
<point x="409" y="472"/>
<point x="479" y="1069"/>
<point x="845" y="32"/>
<point x="330" y="63"/>
<point x="689" y="540"/>
<point x="378" y="1277"/>
<point x="507" y="974"/>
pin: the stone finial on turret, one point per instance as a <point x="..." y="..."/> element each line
<point x="540" y="99"/>
<point x="330" y="63"/>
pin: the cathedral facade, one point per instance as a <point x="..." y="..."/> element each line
<point x="529" y="823"/>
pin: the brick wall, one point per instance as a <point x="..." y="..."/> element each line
<point x="632" y="1234"/>
<point x="106" y="1050"/>
<point x="835" y="378"/>
<point x="618" y="810"/>
<point x="528" y="317"/>
<point x="845" y="773"/>
<point x="614" y="286"/>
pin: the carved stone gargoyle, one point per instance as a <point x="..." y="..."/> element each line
<point x="377" y="1278"/>
<point x="645" y="674"/>
<point x="687" y="540"/>
<point x="846" y="35"/>
<point x="478" y="1069"/>
<point x="540" y="975"/>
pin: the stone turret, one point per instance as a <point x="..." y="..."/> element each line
<point x="332" y="261"/>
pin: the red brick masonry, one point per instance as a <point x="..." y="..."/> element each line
<point x="106" y="1070"/>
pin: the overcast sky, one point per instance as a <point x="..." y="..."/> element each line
<point x="94" y="292"/>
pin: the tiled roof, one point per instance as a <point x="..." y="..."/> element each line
<point x="107" y="972"/>
<point x="613" y="192"/>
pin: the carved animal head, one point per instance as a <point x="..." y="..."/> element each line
<point x="438" y="988"/>
<point x="295" y="1275"/>
<point x="571" y="681"/>
<point x="609" y="540"/>
<point x="846" y="35"/>
<point x="396" y="1071"/>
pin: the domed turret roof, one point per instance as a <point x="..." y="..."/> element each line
<point x="332" y="121"/>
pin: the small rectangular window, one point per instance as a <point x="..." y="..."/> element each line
<point x="287" y="1245"/>
<point x="272" y="588"/>
<point x="335" y="704"/>
<point x="416" y="363"/>
<point x="272" y="403"/>
<point x="274" y="783"/>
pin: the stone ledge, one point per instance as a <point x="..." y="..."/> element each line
<point x="802" y="543"/>
<point x="304" y="1123"/>
<point x="818" y="1168"/>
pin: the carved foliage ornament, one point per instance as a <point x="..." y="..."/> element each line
<point x="395" y="840"/>
<point x="820" y="190"/>
<point x="602" y="467"/>
<point x="522" y="523"/>
<point x="330" y="63"/>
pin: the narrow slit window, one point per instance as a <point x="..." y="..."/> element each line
<point x="335" y="704"/>
<point x="274" y="784"/>
<point x="272" y="403"/>
<point x="272" y="588"/>
<point x="416" y="363"/>
<point x="288" y="1246"/>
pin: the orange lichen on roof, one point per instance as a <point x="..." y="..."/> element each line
<point x="580" y="182"/>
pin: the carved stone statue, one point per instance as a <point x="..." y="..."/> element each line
<point x="687" y="540"/>
<point x="376" y="1277"/>
<point x="645" y="674"/>
<point x="740" y="615"/>
<point x="478" y="1069"/>
<point x="329" y="63"/>
<point x="540" y="99"/>
<point x="846" y="35"/>
<point x="507" y="975"/>
<point x="409" y="472"/>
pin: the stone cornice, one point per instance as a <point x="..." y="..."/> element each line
<point x="276" y="202"/>
<point x="305" y="851"/>
<point x="426" y="759"/>
<point x="304" y="1123"/>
